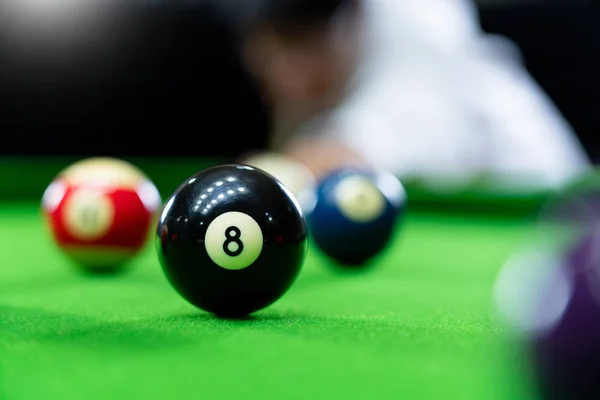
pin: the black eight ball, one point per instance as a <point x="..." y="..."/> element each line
<point x="231" y="240"/>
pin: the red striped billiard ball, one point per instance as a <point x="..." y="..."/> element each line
<point x="100" y="212"/>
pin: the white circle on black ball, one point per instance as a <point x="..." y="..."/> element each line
<point x="233" y="240"/>
<point x="359" y="199"/>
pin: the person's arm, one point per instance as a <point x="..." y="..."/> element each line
<point x="323" y="155"/>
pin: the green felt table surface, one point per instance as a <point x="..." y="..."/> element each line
<point x="419" y="324"/>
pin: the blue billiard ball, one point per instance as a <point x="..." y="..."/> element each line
<point x="355" y="214"/>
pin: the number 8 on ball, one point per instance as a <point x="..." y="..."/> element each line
<point x="233" y="240"/>
<point x="232" y="234"/>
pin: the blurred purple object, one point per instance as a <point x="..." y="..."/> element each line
<point x="567" y="353"/>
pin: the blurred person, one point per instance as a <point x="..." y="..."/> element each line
<point x="411" y="86"/>
<point x="415" y="87"/>
<point x="561" y="52"/>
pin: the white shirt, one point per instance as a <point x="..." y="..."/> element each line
<point x="439" y="100"/>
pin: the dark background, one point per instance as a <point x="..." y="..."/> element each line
<point x="168" y="83"/>
<point x="164" y="80"/>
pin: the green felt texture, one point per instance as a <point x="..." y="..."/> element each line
<point x="418" y="325"/>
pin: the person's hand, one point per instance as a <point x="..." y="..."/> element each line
<point x="323" y="155"/>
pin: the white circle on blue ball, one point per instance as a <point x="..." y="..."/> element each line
<point x="233" y="240"/>
<point x="359" y="199"/>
